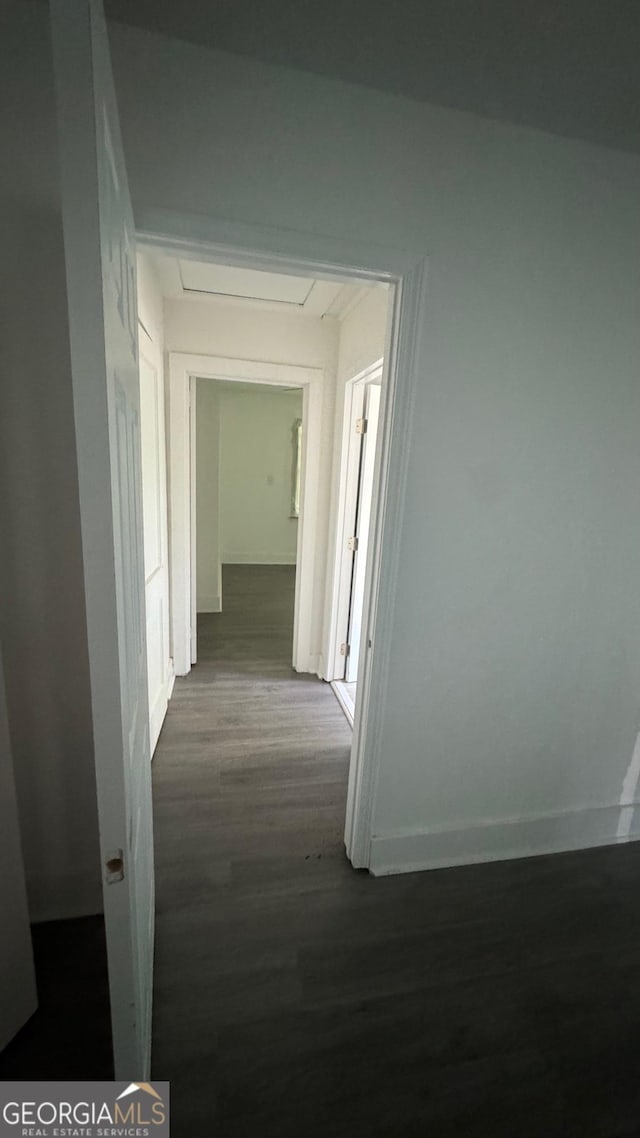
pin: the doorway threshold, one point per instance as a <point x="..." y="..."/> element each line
<point x="346" y="696"/>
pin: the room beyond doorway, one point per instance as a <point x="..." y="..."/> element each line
<point x="247" y="481"/>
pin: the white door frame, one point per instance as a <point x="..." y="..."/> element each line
<point x="341" y="577"/>
<point x="184" y="367"/>
<point x="190" y="651"/>
<point x="156" y="577"/>
<point x="316" y="255"/>
<point x="365" y="499"/>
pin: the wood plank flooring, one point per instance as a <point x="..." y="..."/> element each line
<point x="295" y="996"/>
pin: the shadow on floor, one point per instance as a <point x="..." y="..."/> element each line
<point x="69" y="1036"/>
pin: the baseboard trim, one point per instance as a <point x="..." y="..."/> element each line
<point x="499" y="841"/>
<point x="209" y="604"/>
<point x="259" y="559"/>
<point x="308" y="667"/>
<point x="344" y="700"/>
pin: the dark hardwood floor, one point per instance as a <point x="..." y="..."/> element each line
<point x="296" y="997"/>
<point x="69" y="1036"/>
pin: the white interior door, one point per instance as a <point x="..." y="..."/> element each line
<point x="349" y="480"/>
<point x="365" y="499"/>
<point x="154" y="502"/>
<point x="101" y="291"/>
<point x="18" y="998"/>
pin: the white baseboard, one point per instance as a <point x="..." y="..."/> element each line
<point x="260" y="558"/>
<point x="209" y="604"/>
<point x="344" y="700"/>
<point x="498" y="841"/>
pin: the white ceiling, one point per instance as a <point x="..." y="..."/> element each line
<point x="216" y="283"/>
<point x="565" y="66"/>
<point x="228" y="280"/>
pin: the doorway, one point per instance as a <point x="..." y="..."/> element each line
<point x="184" y="370"/>
<point x="235" y="248"/>
<point x="246" y="501"/>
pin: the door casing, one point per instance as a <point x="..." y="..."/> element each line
<point x="156" y="545"/>
<point x="340" y="584"/>
<point x="184" y="368"/>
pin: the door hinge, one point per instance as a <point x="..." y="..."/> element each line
<point x="352" y="544"/>
<point x="361" y="426"/>
<point x="345" y="649"/>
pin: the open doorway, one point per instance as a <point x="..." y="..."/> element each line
<point x="322" y="338"/>
<point x="294" y="539"/>
<point x="247" y="469"/>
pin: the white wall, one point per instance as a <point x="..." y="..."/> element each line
<point x="362" y="334"/>
<point x="514" y="686"/>
<point x="150" y="302"/>
<point x="208" y="559"/>
<point x="42" y="614"/>
<point x="206" y="328"/>
<point x="256" y="455"/>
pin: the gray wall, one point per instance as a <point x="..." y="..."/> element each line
<point x="545" y="64"/>
<point x="42" y="615"/>
<point x="19" y="998"/>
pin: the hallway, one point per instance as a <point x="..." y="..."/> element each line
<point x="250" y="781"/>
<point x="295" y="996"/>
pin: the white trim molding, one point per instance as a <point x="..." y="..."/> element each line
<point x="183" y="367"/>
<point x="500" y="840"/>
<point x="256" y="557"/>
<point x="346" y="478"/>
<point x="399" y="383"/>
